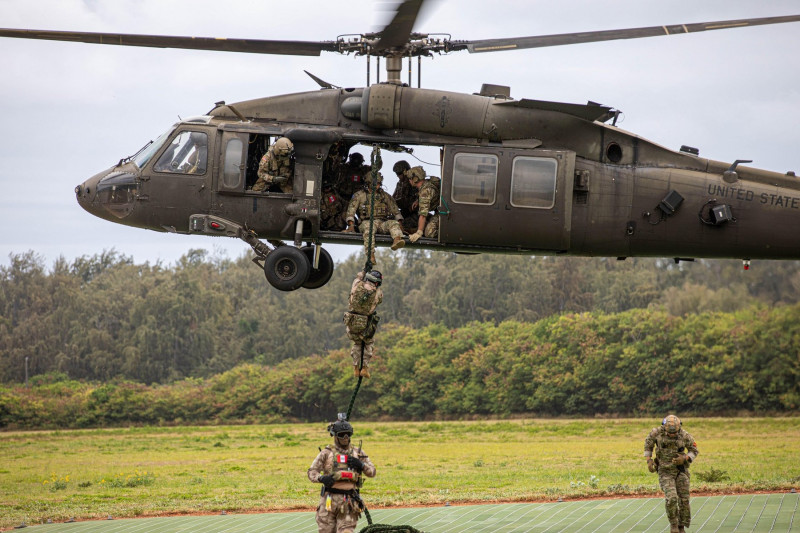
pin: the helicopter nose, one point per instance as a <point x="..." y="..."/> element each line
<point x="109" y="194"/>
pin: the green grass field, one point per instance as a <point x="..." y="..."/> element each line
<point x="154" y="471"/>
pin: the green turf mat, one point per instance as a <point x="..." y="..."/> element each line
<point x="716" y="514"/>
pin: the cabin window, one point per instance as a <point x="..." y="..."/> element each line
<point x="186" y="154"/>
<point x="533" y="182"/>
<point x="474" y="178"/>
<point x="232" y="168"/>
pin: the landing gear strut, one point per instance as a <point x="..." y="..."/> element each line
<point x="287" y="268"/>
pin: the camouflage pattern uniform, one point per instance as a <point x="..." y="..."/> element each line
<point x="274" y="166"/>
<point x="674" y="479"/>
<point x="341" y="515"/>
<point x="361" y="320"/>
<point x="429" y="201"/>
<point x="331" y="210"/>
<point x="386" y="218"/>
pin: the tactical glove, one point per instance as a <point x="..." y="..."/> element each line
<point x="414" y="237"/>
<point x="651" y="466"/>
<point x="355" y="463"/>
<point x="350" y="229"/>
<point x="680" y="460"/>
<point x="326" y="480"/>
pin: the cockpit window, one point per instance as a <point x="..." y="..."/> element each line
<point x="145" y="154"/>
<point x="187" y="154"/>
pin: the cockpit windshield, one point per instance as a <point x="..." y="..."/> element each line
<point x="144" y="155"/>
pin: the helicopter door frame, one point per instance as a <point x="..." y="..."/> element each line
<point x="507" y="197"/>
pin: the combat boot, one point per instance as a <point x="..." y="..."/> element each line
<point x="372" y="259"/>
<point x="365" y="372"/>
<point x="356" y="373"/>
<point x="673" y="529"/>
<point x="681" y="530"/>
<point x="398" y="243"/>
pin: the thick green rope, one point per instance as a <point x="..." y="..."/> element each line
<point x="376" y="164"/>
<point x="376" y="161"/>
<point x="358" y="385"/>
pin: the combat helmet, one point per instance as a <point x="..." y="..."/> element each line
<point x="283" y="147"/>
<point x="672" y="424"/>
<point x="400" y="167"/>
<point x="373" y="276"/>
<point x="356" y="158"/>
<point x="369" y="178"/>
<point x="339" y="427"/>
<point x="416" y="174"/>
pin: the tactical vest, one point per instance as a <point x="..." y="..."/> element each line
<point x="343" y="473"/>
<point x="381" y="209"/>
<point x="669" y="448"/>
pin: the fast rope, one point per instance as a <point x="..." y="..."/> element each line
<point x="377" y="162"/>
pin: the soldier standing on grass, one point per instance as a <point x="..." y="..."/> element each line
<point x="341" y="470"/>
<point x="675" y="451"/>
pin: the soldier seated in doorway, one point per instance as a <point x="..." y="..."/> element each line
<point x="428" y="203"/>
<point x="381" y="218"/>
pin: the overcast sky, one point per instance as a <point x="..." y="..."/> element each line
<point x="71" y="110"/>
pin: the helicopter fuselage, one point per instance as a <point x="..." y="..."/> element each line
<point x="518" y="176"/>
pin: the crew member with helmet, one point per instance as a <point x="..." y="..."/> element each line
<point x="405" y="195"/>
<point x="341" y="470"/>
<point x="385" y="219"/>
<point x="361" y="320"/>
<point x="675" y="451"/>
<point x="427" y="222"/>
<point x="275" y="168"/>
<point x="351" y="175"/>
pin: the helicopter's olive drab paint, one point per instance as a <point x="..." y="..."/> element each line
<point x="517" y="176"/>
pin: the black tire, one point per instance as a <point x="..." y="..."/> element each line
<point x="318" y="277"/>
<point x="286" y="268"/>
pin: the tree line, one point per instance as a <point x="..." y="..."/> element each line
<point x="104" y="318"/>
<point x="633" y="363"/>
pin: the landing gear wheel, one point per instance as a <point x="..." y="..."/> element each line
<point x="318" y="277"/>
<point x="286" y="268"/>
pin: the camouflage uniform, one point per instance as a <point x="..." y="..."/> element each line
<point x="386" y="216"/>
<point x="274" y="166"/>
<point x="429" y="201"/>
<point x="341" y="515"/>
<point x="361" y="320"/>
<point x="331" y="210"/>
<point x="674" y="479"/>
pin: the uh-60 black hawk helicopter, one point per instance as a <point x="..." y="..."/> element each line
<point x="517" y="176"/>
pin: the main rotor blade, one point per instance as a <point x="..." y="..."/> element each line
<point x="397" y="32"/>
<point x="517" y="43"/>
<point x="254" y="46"/>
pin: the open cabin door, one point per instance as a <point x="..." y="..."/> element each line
<point x="507" y="197"/>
